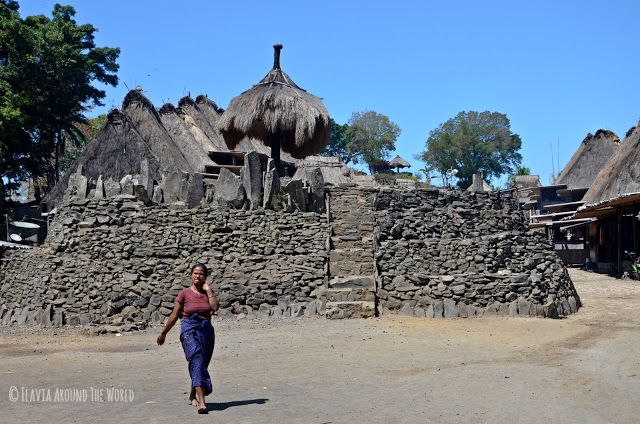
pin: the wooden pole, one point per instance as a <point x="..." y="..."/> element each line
<point x="275" y="153"/>
<point x="619" y="242"/>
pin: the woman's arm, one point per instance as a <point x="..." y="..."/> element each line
<point x="177" y="311"/>
<point x="213" y="300"/>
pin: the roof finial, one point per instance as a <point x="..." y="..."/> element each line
<point x="276" y="55"/>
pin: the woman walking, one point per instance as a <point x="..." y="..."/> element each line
<point x="195" y="305"/>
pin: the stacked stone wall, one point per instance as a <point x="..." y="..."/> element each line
<point x="115" y="260"/>
<point x="453" y="253"/>
<point x="436" y="253"/>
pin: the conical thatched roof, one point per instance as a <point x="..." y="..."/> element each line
<point x="398" y="162"/>
<point x="621" y="174"/>
<point x="277" y="110"/>
<point x="117" y="150"/>
<point x="592" y="154"/>
<point x="195" y="150"/>
<point x="148" y="124"/>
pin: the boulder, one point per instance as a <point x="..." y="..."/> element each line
<point x="229" y="192"/>
<point x="251" y="175"/>
<point x="271" y="187"/>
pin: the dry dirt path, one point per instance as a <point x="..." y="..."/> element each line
<point x="584" y="369"/>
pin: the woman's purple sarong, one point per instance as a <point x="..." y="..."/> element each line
<point x="198" y="338"/>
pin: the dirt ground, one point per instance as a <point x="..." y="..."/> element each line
<point x="583" y="369"/>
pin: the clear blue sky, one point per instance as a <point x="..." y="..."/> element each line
<point x="558" y="69"/>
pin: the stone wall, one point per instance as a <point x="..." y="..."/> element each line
<point x="114" y="260"/>
<point x="452" y="253"/>
<point x="435" y="254"/>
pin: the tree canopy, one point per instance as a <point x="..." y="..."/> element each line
<point x="340" y="143"/>
<point x="372" y="135"/>
<point x="473" y="142"/>
<point x="47" y="67"/>
<point x="368" y="137"/>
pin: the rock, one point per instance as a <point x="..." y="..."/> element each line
<point x="271" y="187"/>
<point x="524" y="307"/>
<point x="158" y="196"/>
<point x="438" y="309"/>
<point x="407" y="309"/>
<point x="251" y="176"/>
<point x="312" y="309"/>
<point x="195" y="193"/>
<point x="99" y="193"/>
<point x="111" y="188"/>
<point x="264" y="310"/>
<point x="229" y="191"/>
<point x="573" y="305"/>
<point x="550" y="310"/>
<point x="126" y="184"/>
<point x="315" y="180"/>
<point x="175" y="187"/>
<point x="450" y="308"/>
<point x="297" y="193"/>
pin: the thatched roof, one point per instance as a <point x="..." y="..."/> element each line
<point x="621" y="174"/>
<point x="398" y="162"/>
<point x="276" y="108"/>
<point x="148" y="124"/>
<point x="592" y="154"/>
<point x="116" y="151"/>
<point x="195" y="150"/>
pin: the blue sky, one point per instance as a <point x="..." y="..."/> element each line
<point x="558" y="69"/>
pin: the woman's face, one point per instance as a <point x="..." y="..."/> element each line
<point x="198" y="277"/>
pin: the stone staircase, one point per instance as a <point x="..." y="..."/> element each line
<point x="351" y="289"/>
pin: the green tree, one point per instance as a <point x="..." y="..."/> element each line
<point x="47" y="67"/>
<point x="371" y="136"/>
<point x="473" y="142"/>
<point x="339" y="143"/>
<point x="75" y="143"/>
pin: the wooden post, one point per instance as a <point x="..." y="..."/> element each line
<point x="275" y="153"/>
<point x="619" y="242"/>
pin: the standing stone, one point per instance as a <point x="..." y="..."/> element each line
<point x="450" y="308"/>
<point x="513" y="308"/>
<point x="251" y="175"/>
<point x="111" y="188"/>
<point x="524" y="307"/>
<point x="157" y="195"/>
<point x="229" y="191"/>
<point x="429" y="311"/>
<point x="316" y="184"/>
<point x="99" y="194"/>
<point x="141" y="194"/>
<point x="196" y="191"/>
<point x="573" y="305"/>
<point x="407" y="309"/>
<point x="295" y="189"/>
<point x="264" y="310"/>
<point x="176" y="187"/>
<point x="312" y="308"/>
<point x="271" y="186"/>
<point x="126" y="184"/>
<point x="82" y="184"/>
<point x="438" y="309"/>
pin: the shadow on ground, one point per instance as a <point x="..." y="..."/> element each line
<point x="221" y="406"/>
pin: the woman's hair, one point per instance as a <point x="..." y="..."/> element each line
<point x="203" y="266"/>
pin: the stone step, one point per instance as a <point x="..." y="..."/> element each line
<point x="357" y="309"/>
<point x="353" y="282"/>
<point x="346" y="295"/>
<point x="345" y="268"/>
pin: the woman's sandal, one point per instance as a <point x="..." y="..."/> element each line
<point x="203" y="410"/>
